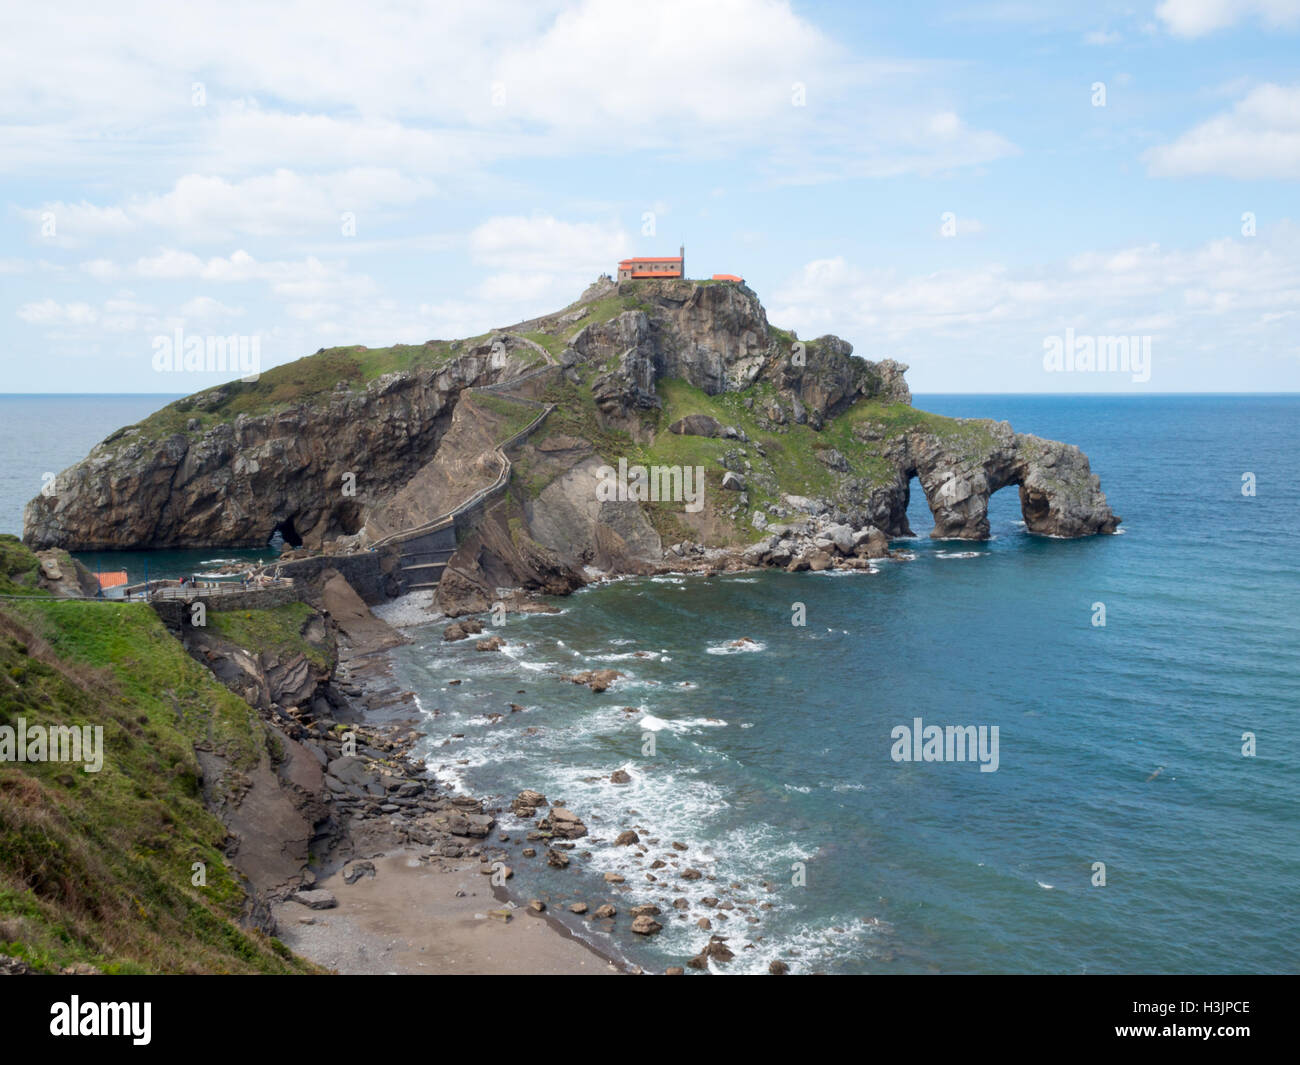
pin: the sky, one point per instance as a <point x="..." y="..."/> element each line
<point x="955" y="186"/>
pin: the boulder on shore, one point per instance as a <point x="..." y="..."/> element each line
<point x="462" y="629"/>
<point x="317" y="899"/>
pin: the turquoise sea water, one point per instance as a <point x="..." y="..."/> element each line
<point x="1120" y="745"/>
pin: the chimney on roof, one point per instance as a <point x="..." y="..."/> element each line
<point x="682" y="252"/>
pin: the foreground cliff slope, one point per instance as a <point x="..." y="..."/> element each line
<point x="97" y="870"/>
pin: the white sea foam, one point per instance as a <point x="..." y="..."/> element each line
<point x="624" y="656"/>
<point x="732" y="647"/>
<point x="960" y="554"/>
<point x="808" y="947"/>
<point x="903" y="556"/>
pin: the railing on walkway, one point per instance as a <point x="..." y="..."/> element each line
<point x="498" y="452"/>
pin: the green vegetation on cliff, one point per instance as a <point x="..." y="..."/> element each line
<point x="278" y="630"/>
<point x="314" y="377"/>
<point x="788" y="463"/>
<point x="19" y="568"/>
<point x="96" y="868"/>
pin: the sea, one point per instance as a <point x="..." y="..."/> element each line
<point x="1143" y="814"/>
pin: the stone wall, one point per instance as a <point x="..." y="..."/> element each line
<point x="372" y="573"/>
<point x="174" y="611"/>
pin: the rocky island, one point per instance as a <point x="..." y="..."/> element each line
<point x="808" y="454"/>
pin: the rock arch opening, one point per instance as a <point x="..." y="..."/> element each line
<point x="960" y="503"/>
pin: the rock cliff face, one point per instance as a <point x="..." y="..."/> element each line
<point x="638" y="364"/>
<point x="717" y="338"/>
<point x="236" y="483"/>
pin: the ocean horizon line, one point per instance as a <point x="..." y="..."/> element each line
<point x="1056" y="395"/>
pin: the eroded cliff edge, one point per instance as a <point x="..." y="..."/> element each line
<point x="805" y="447"/>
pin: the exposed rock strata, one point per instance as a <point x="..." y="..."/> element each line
<point x="239" y="481"/>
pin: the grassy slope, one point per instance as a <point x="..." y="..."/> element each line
<point x="19" y="568"/>
<point x="278" y="630"/>
<point x="510" y="415"/>
<point x="314" y="377"/>
<point x="311" y="377"/>
<point x="96" y="867"/>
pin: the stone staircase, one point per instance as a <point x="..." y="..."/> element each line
<point x="424" y="557"/>
<point x="425" y="550"/>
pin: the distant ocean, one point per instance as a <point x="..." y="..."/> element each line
<point x="45" y="434"/>
<point x="1119" y="744"/>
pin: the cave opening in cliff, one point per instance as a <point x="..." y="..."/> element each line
<point x="284" y="533"/>
<point x="347" y="516"/>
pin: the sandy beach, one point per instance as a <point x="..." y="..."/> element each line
<point x="408" y="919"/>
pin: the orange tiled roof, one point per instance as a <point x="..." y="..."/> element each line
<point x="652" y="259"/>
<point x="727" y="277"/>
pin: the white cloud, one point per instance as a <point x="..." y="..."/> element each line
<point x="673" y="61"/>
<point x="49" y="312"/>
<point x="1195" y="18"/>
<point x="982" y="329"/>
<point x="1258" y="138"/>
<point x="453" y="90"/>
<point x="205" y="207"/>
<point x="539" y="263"/>
<point x="205" y="308"/>
<point x="542" y="243"/>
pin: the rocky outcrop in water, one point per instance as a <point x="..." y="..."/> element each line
<point x="1059" y="493"/>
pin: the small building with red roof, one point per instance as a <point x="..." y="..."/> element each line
<point x="653" y="266"/>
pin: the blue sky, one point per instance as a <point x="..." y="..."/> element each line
<point x="196" y="170"/>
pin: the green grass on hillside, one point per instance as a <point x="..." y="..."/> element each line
<point x="510" y="415"/>
<point x="278" y="629"/>
<point x="19" y="568"/>
<point x="604" y="310"/>
<point x="311" y="377"/>
<point x="97" y="867"/>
